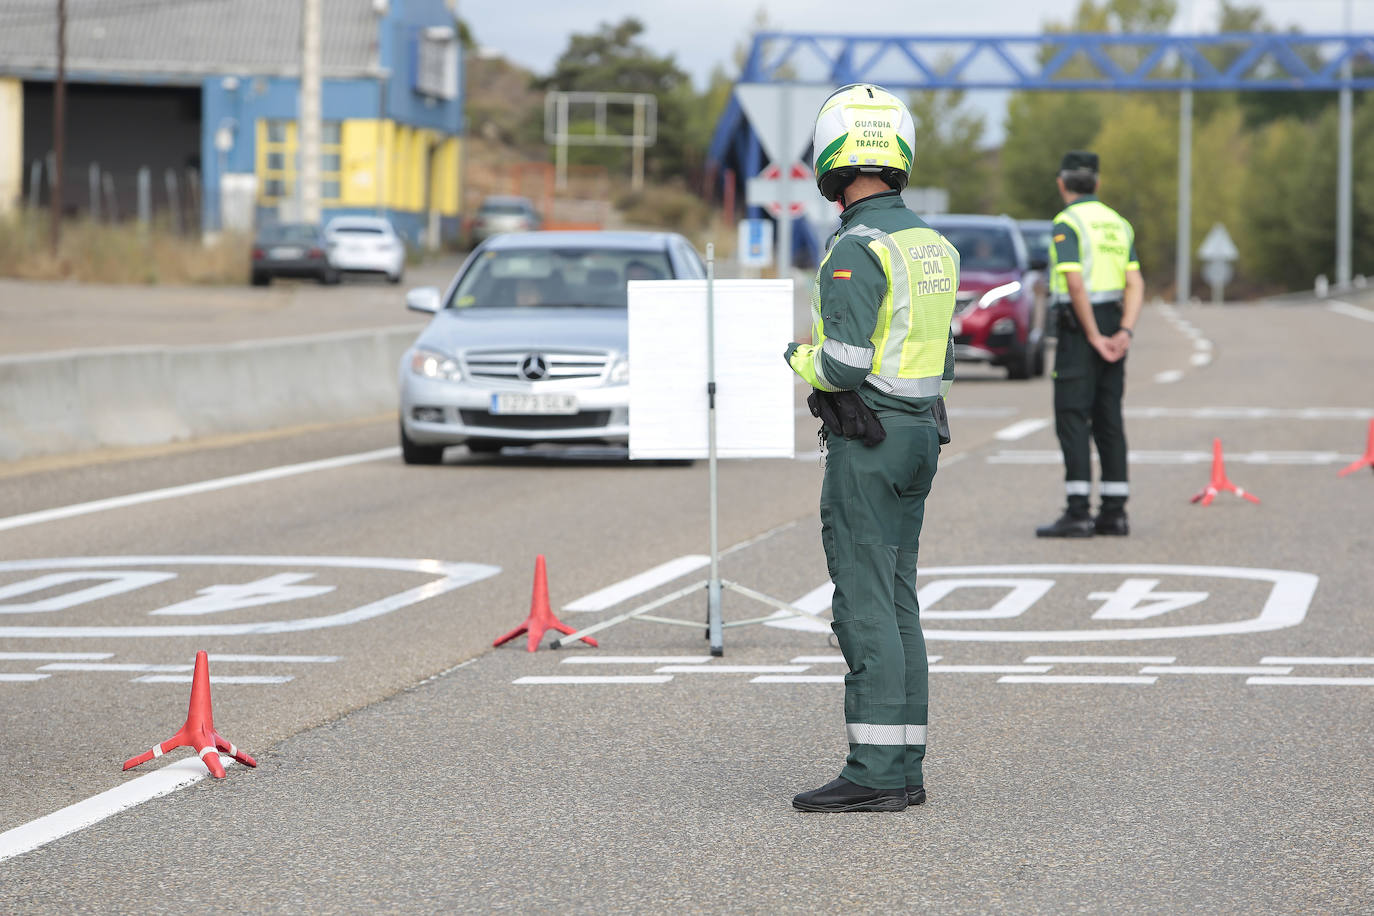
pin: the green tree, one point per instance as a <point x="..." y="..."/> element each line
<point x="1040" y="128"/>
<point x="1139" y="148"/>
<point x="947" y="151"/>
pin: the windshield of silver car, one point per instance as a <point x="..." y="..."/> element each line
<point x="569" y="277"/>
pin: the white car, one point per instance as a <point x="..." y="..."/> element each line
<point x="366" y="244"/>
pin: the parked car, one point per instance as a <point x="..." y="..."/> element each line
<point x="366" y="244"/>
<point x="291" y="250"/>
<point x="528" y="344"/>
<point x="999" y="313"/>
<point x="1039" y="234"/>
<point x="504" y="213"/>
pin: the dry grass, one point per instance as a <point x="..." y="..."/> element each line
<point x="100" y="253"/>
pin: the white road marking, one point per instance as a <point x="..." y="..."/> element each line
<point x="597" y="679"/>
<point x="191" y="489"/>
<point x="1249" y="413"/>
<point x="1350" y="311"/>
<point x="83" y="814"/>
<point x="1100" y="659"/>
<point x="1075" y="679"/>
<point x="23" y="677"/>
<point x="648" y="580"/>
<point x="1183" y="457"/>
<point x="1022" y="428"/>
<point x="1210" y="669"/>
<point x="989" y="669"/>
<point x="215" y="679"/>
<point x="283" y="659"/>
<point x="1315" y="681"/>
<point x="1316" y="660"/>
<point x="730" y="669"/>
<point x="110" y="666"/>
<point x="637" y="660"/>
<point x="53" y="656"/>
<point x="798" y="679"/>
<point x="454" y="575"/>
<point x="1169" y="376"/>
<point x="1201" y="358"/>
<point x="838" y="659"/>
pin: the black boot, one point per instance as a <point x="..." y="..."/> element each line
<point x="915" y="795"/>
<point x="1112" y="522"/>
<point x="843" y="795"/>
<point x="1067" y="525"/>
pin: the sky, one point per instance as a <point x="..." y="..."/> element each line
<point x="701" y="34"/>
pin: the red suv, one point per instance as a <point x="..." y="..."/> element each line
<point x="999" y="312"/>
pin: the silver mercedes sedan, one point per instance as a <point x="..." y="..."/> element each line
<point x="528" y="343"/>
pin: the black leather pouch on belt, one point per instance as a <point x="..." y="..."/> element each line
<point x="846" y="413"/>
<point x="941" y="420"/>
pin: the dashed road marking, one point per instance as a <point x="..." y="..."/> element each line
<point x="839" y="659"/>
<point x="1022" y="428"/>
<point x="730" y="669"/>
<point x="23" y="677"/>
<point x="638" y="584"/>
<point x="1100" y="659"/>
<point x="53" y="656"/>
<point x="637" y="660"/>
<point x="798" y="679"/>
<point x="281" y="659"/>
<point x="1350" y="311"/>
<point x="1169" y="376"/>
<point x="596" y="679"/>
<point x="216" y="679"/>
<point x="989" y="669"/>
<point x="111" y="666"/>
<point x="1075" y="679"/>
<point x="1316" y="660"/>
<point x="1211" y="669"/>
<point x="1314" y="681"/>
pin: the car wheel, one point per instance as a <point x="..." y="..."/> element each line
<point x="393" y="279"/>
<point x="261" y="279"/>
<point x="329" y="277"/>
<point x="1038" y="359"/>
<point x="413" y="452"/>
<point x="1019" y="363"/>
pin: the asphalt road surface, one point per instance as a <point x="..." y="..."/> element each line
<point x="1178" y="720"/>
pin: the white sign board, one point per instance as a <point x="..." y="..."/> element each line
<point x="668" y="372"/>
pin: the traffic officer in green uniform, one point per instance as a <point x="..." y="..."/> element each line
<point x="880" y="360"/>
<point x="1096" y="291"/>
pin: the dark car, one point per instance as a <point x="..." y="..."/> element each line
<point x="999" y="312"/>
<point x="292" y="250"/>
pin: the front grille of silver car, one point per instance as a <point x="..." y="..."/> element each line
<point x="561" y="365"/>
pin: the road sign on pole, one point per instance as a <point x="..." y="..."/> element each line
<point x="754" y="248"/>
<point x="1218" y="252"/>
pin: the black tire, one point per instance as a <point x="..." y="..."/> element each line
<point x="330" y="277"/>
<point x="1019" y="364"/>
<point x="413" y="452"/>
<point x="261" y="279"/>
<point x="1038" y="359"/>
<point x="393" y="279"/>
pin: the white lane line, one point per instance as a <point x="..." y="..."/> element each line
<point x="1316" y="660"/>
<point x="1022" y="428"/>
<point x="190" y="489"/>
<point x="1315" y="681"/>
<point x="1201" y="358"/>
<point x="53" y="656"/>
<point x="1350" y="311"/>
<point x="215" y="679"/>
<point x="23" y="677"/>
<point x="1045" y="456"/>
<point x="83" y="814"/>
<point x="1202" y="343"/>
<point x="1075" y="679"/>
<point x="1169" y="376"/>
<point x="284" y="659"/>
<point x="798" y="679"/>
<point x="597" y="679"/>
<point x="1210" y="669"/>
<point x="110" y="666"/>
<point x="1100" y="660"/>
<point x="730" y="669"/>
<point x="989" y="669"/>
<point x="637" y="660"/>
<point x="648" y="580"/>
<point x="1249" y="413"/>
<point x="839" y="659"/>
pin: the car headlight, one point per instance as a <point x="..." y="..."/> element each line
<point x="998" y="293"/>
<point x="429" y="364"/>
<point x="620" y="372"/>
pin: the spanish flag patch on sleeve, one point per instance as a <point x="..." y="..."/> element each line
<point x="841" y="273"/>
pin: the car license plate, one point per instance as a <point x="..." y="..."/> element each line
<point x="956" y="326"/>
<point x="286" y="253"/>
<point x="533" y="403"/>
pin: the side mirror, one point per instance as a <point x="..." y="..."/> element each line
<point x="423" y="299"/>
<point x="1037" y="262"/>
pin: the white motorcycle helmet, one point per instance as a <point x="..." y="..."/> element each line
<point x="862" y="128"/>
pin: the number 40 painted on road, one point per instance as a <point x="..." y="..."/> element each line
<point x="211" y="600"/>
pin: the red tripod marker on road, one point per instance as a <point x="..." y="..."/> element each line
<point x="1368" y="460"/>
<point x="541" y="618"/>
<point x="199" y="731"/>
<point x="1220" y="482"/>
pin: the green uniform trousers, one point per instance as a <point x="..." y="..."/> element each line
<point x="1087" y="406"/>
<point x="872" y="505"/>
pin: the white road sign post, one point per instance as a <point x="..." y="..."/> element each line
<point x="1218" y="253"/>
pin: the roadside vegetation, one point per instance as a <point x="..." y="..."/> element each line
<point x="92" y="252"/>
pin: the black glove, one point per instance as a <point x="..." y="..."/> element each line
<point x="847" y="414"/>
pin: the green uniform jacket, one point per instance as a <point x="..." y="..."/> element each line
<point x="850" y="288"/>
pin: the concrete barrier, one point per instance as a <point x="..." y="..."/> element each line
<point x="78" y="400"/>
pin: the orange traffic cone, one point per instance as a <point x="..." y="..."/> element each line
<point x="199" y="731"/>
<point x="1368" y="460"/>
<point x="541" y="617"/>
<point x="1220" y="482"/>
